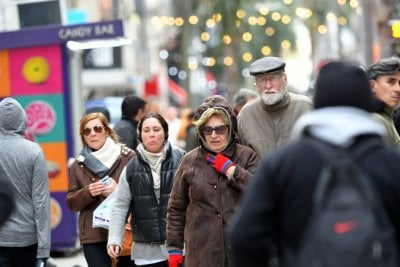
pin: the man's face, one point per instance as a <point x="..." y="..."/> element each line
<point x="271" y="86"/>
<point x="387" y="89"/>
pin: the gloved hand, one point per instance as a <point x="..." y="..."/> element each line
<point x="175" y="258"/>
<point x="220" y="162"/>
<point x="41" y="262"/>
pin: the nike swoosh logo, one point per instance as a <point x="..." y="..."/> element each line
<point x="345" y="227"/>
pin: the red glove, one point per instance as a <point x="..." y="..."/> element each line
<point x="219" y="162"/>
<point x="175" y="258"/>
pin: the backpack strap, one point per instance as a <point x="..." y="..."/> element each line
<point x="363" y="147"/>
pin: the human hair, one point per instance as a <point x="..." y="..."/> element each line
<point x="207" y="114"/>
<point x="386" y="66"/>
<point x="97" y="115"/>
<point x="242" y="96"/>
<point x="131" y="105"/>
<point x="157" y="116"/>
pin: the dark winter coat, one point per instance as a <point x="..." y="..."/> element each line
<point x="278" y="203"/>
<point x="203" y="201"/>
<point x="127" y="131"/>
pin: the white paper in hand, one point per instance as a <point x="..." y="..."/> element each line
<point x="102" y="214"/>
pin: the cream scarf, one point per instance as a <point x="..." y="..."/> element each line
<point x="155" y="161"/>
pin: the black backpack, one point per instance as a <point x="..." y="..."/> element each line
<point x="349" y="226"/>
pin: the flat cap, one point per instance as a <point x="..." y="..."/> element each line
<point x="266" y="65"/>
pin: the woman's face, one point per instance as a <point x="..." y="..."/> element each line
<point x="216" y="133"/>
<point x="152" y="135"/>
<point x="94" y="134"/>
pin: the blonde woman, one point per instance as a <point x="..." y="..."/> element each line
<point x="207" y="188"/>
<point x="93" y="176"/>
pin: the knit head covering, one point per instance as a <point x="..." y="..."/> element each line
<point x="343" y="84"/>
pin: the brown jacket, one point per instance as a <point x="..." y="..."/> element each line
<point x="202" y="203"/>
<point x="202" y="200"/>
<point x="80" y="200"/>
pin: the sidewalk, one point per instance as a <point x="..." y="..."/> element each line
<point x="75" y="259"/>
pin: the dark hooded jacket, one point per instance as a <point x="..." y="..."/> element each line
<point x="203" y="200"/>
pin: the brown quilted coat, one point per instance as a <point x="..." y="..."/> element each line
<point x="203" y="201"/>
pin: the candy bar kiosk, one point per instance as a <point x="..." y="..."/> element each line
<point x="37" y="68"/>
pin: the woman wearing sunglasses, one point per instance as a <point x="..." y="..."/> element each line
<point x="207" y="188"/>
<point x="93" y="176"/>
<point x="144" y="191"/>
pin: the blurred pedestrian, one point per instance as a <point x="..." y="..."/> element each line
<point x="100" y="109"/>
<point x="94" y="176"/>
<point x="266" y="123"/>
<point x="133" y="109"/>
<point x="185" y="122"/>
<point x="384" y="78"/>
<point x="153" y="105"/>
<point x="172" y="116"/>
<point x="243" y="96"/>
<point x="144" y="189"/>
<point x="25" y="236"/>
<point x="192" y="140"/>
<point x="207" y="188"/>
<point x="277" y="207"/>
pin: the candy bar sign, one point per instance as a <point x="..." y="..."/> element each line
<point x="86" y="32"/>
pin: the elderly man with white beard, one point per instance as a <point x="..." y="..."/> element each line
<point x="266" y="123"/>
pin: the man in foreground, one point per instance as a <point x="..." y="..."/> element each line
<point x="277" y="209"/>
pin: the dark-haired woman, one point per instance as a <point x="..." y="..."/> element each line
<point x="144" y="190"/>
<point x="102" y="158"/>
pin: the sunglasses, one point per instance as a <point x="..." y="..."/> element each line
<point x="96" y="129"/>
<point x="207" y="130"/>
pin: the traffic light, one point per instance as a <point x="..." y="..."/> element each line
<point x="396" y="29"/>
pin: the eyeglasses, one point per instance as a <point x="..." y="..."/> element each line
<point x="272" y="78"/>
<point x="96" y="129"/>
<point x="207" y="130"/>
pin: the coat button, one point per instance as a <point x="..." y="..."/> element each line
<point x="219" y="215"/>
<point x="215" y="187"/>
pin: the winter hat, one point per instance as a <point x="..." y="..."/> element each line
<point x="343" y="84"/>
<point x="267" y="65"/>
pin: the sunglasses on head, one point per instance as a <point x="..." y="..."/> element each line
<point x="96" y="129"/>
<point x="207" y="130"/>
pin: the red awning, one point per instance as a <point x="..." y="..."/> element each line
<point x="178" y="92"/>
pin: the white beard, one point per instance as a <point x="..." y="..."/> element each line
<point x="271" y="100"/>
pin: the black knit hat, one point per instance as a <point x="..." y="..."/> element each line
<point x="343" y="84"/>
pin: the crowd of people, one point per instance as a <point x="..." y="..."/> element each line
<point x="228" y="183"/>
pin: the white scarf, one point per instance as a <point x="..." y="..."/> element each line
<point x="154" y="160"/>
